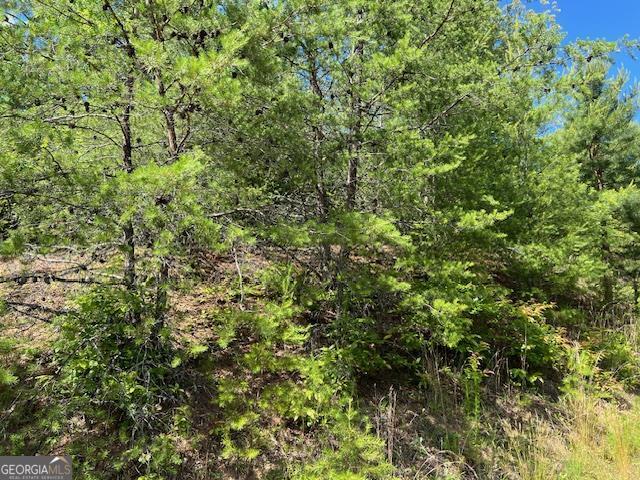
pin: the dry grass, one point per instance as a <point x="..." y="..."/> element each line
<point x="599" y="440"/>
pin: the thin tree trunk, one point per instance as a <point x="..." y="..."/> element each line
<point x="351" y="186"/>
<point x="636" y="293"/>
<point x="128" y="229"/>
<point x="172" y="150"/>
<point x="162" y="278"/>
<point x="607" y="281"/>
<point x="321" y="193"/>
<point x="355" y="140"/>
<point x="352" y="172"/>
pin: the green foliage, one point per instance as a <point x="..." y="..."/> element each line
<point x="112" y="371"/>
<point x="616" y="355"/>
<point x="359" y="190"/>
<point x="358" y="455"/>
<point x="304" y="388"/>
<point x="7" y="378"/>
<point x="106" y="359"/>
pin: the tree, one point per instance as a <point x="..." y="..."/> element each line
<point x="111" y="100"/>
<point x="601" y="132"/>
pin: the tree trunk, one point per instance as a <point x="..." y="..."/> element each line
<point x="351" y="186"/>
<point x="128" y="229"/>
<point x="172" y="151"/>
<point x="355" y="140"/>
<point x="607" y="280"/>
<point x="321" y="193"/>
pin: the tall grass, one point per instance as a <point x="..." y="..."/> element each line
<point x="598" y="441"/>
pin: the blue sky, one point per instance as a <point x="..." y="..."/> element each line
<point x="608" y="19"/>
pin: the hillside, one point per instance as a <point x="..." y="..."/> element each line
<point x="308" y="239"/>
